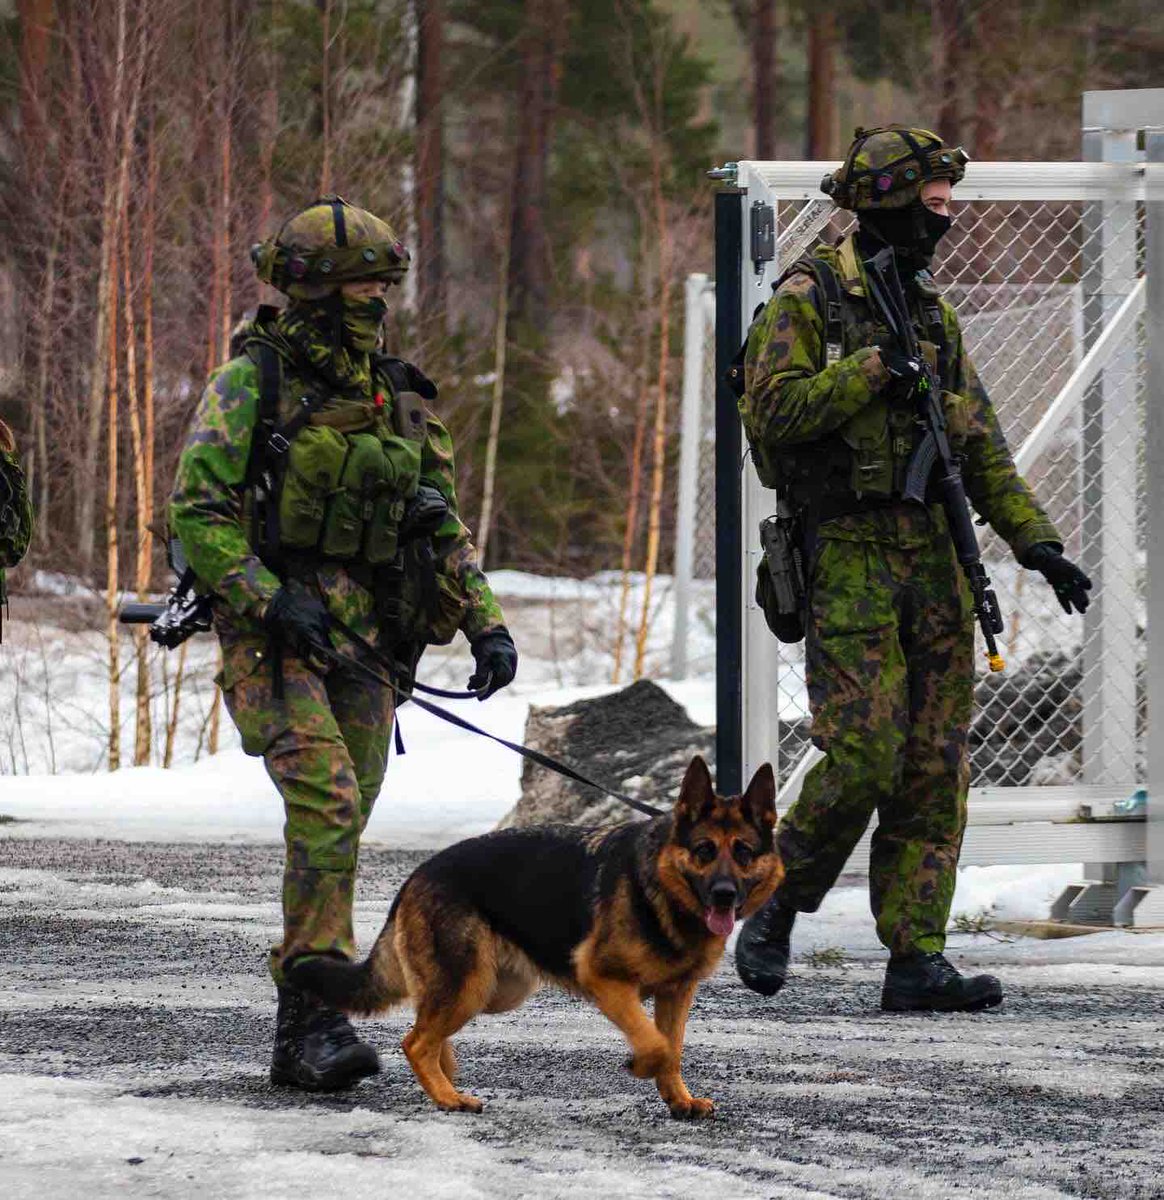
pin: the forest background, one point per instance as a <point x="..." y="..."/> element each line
<point x="544" y="160"/>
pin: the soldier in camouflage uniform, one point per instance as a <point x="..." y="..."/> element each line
<point x="314" y="488"/>
<point x="15" y="512"/>
<point x="889" y="621"/>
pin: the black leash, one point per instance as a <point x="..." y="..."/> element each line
<point x="536" y="756"/>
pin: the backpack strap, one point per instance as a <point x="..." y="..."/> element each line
<point x="936" y="333"/>
<point x="829" y="288"/>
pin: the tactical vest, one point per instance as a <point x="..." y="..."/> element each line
<point x="863" y="463"/>
<point x="331" y="483"/>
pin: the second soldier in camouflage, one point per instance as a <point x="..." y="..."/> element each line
<point x="829" y="410"/>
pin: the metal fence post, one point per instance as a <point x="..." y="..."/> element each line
<point x="691" y="433"/>
<point x="729" y="332"/>
<point x="1110" y="432"/>
<point x="1154" y="450"/>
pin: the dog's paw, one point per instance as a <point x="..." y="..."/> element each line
<point x="461" y="1102"/>
<point x="692" y="1108"/>
<point x="648" y="1064"/>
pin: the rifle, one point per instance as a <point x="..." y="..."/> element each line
<point x="887" y="294"/>
<point x="185" y="612"/>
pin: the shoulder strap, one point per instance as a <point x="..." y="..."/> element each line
<point x="936" y="333"/>
<point x="410" y="387"/>
<point x="829" y="288"/>
<point x="272" y="440"/>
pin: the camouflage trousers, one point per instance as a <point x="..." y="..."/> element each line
<point x="889" y="667"/>
<point x="326" y="749"/>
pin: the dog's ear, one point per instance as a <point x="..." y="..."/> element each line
<point x="696" y="794"/>
<point x="759" y="801"/>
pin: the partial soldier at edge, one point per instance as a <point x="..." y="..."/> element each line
<point x="830" y="408"/>
<point x="316" y="487"/>
<point x="16" y="515"/>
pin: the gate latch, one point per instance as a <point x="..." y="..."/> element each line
<point x="763" y="227"/>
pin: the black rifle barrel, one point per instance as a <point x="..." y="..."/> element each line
<point x="888" y="295"/>
<point x="140" y="614"/>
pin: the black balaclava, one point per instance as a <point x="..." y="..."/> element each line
<point x="913" y="232"/>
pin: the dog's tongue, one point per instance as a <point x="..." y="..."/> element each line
<point x="719" y="922"/>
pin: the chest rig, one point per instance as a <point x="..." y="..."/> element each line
<point x="863" y="464"/>
<point x="329" y="477"/>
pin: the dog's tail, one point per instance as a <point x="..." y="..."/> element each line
<point x="364" y="988"/>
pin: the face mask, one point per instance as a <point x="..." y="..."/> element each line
<point x="363" y="317"/>
<point x="913" y="232"/>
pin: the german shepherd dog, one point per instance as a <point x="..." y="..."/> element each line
<point x="615" y="915"/>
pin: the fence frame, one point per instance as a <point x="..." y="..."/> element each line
<point x="1124" y="858"/>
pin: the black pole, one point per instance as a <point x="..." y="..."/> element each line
<point x="729" y="632"/>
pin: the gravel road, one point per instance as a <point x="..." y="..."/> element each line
<point x="135" y="1025"/>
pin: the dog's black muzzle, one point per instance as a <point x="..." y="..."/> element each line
<point x="723" y="893"/>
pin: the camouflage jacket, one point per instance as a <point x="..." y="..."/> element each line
<point x="206" y="515"/>
<point x="798" y="408"/>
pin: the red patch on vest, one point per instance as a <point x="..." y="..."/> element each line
<point x="379" y="399"/>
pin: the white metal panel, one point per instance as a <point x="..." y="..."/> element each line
<point x="694" y="340"/>
<point x="983" y="181"/>
<point x="1031" y="842"/>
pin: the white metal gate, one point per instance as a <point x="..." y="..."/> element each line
<point x="1055" y="270"/>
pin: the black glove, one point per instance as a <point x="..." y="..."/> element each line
<point x="299" y="617"/>
<point x="424" y="514"/>
<point x="899" y="365"/>
<point x="496" y="657"/>
<point x="1070" y="583"/>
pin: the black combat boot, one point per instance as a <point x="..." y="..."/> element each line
<point x="763" y="947"/>
<point x="928" y="983"/>
<point x="316" y="1048"/>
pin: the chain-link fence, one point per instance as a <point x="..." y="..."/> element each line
<point x="1036" y="283"/>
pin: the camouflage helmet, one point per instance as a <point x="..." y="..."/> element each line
<point x="886" y="167"/>
<point x="328" y="243"/>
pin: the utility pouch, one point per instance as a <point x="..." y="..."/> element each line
<point x="401" y="460"/>
<point x="871" y="462"/>
<point x="382" y="532"/>
<point x="780" y="578"/>
<point x="315" y="462"/>
<point x="353" y="505"/>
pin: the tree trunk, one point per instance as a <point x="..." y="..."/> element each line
<point x="175" y="705"/>
<point x="500" y="343"/>
<point x="529" y="261"/>
<point x="947" y="44"/>
<point x="324" y="7"/>
<point x="632" y="523"/>
<point x="36" y="20"/>
<point x="430" y="192"/>
<point x="659" y="448"/>
<point x="821" y="85"/>
<point x="764" y="78"/>
<point x="98" y="379"/>
<point x="269" y="123"/>
<point x="111" y="543"/>
<point x="996" y="33"/>
<point x="143" y="736"/>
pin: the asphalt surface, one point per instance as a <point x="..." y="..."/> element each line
<point x="133" y="1005"/>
